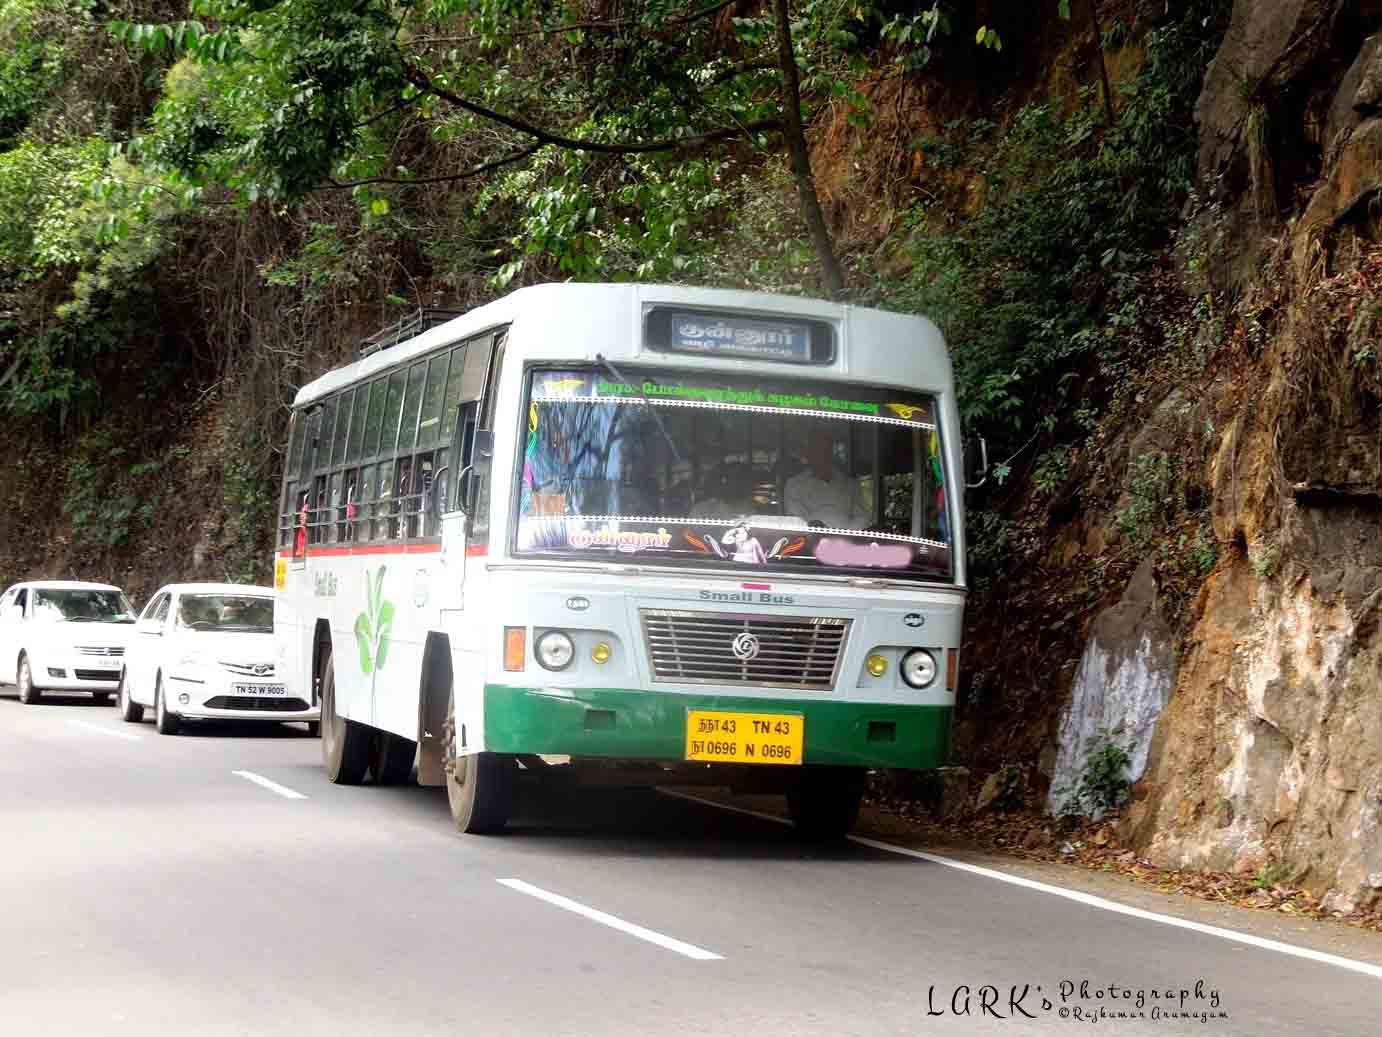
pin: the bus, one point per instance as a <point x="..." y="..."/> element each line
<point x="675" y="535"/>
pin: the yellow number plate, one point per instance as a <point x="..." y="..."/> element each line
<point x="721" y="737"/>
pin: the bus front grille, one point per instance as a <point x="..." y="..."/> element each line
<point x="761" y="651"/>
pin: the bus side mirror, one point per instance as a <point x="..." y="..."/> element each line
<point x="976" y="462"/>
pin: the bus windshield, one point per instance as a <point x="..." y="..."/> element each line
<point x="690" y="467"/>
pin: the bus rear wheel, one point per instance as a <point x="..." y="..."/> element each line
<point x="393" y="759"/>
<point x="345" y="744"/>
<point x="479" y="787"/>
<point x="823" y="802"/>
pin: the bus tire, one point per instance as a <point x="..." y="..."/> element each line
<point x="345" y="744"/>
<point x="130" y="711"/>
<point x="164" y="719"/>
<point x="24" y="679"/>
<point x="479" y="787"/>
<point x="393" y="759"/>
<point x="823" y="802"/>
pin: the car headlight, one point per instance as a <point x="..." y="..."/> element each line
<point x="554" y="650"/>
<point x="918" y="668"/>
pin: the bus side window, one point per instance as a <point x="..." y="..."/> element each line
<point x="383" y="504"/>
<point x="348" y="506"/>
<point x="332" y="530"/>
<point x="364" y="503"/>
<point x="318" y="516"/>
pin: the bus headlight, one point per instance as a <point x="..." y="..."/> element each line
<point x="918" y="668"/>
<point x="555" y="651"/>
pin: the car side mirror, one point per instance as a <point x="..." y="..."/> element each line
<point x="976" y="451"/>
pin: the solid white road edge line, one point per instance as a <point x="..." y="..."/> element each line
<point x="688" y="949"/>
<point x="272" y="786"/>
<point x="105" y="731"/>
<point x="1088" y="899"/>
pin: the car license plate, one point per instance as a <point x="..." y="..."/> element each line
<point x="261" y="689"/>
<point x="724" y="737"/>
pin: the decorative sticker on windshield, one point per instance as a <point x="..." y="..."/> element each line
<point x="741" y="542"/>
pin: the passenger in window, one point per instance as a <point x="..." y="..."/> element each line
<point x="300" y="541"/>
<point x="350" y="512"/>
<point x="823" y="493"/>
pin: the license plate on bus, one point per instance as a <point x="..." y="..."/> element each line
<point x="715" y="736"/>
<point x="261" y="689"/>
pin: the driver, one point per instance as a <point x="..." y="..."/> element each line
<point x="822" y="493"/>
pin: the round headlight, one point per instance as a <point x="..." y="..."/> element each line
<point x="555" y="651"/>
<point x="918" y="668"/>
<point x="877" y="665"/>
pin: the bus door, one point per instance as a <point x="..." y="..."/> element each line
<point x="463" y="489"/>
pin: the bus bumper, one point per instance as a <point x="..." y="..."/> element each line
<point x="627" y="724"/>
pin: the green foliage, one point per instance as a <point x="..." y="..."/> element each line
<point x="1071" y="210"/>
<point x="108" y="496"/>
<point x="1267" y="561"/>
<point x="1104" y="784"/>
<point x="1051" y="469"/>
<point x="1273" y="874"/>
<point x="1152" y="485"/>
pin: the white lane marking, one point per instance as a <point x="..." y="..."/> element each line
<point x="1088" y="899"/>
<point x="688" y="949"/>
<point x="272" y="786"/>
<point x="105" y="731"/>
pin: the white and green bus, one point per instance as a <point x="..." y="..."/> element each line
<point x="677" y="535"/>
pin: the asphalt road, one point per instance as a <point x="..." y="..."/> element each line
<point x="215" y="883"/>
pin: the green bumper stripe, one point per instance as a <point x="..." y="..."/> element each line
<point x="651" y="725"/>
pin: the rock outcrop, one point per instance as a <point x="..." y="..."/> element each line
<point x="1270" y="747"/>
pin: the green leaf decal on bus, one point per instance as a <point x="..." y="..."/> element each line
<point x="364" y="637"/>
<point x="381" y="654"/>
<point x="372" y="627"/>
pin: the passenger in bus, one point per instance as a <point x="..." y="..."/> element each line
<point x="822" y="492"/>
<point x="300" y="541"/>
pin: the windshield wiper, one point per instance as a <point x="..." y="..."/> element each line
<point x="647" y="403"/>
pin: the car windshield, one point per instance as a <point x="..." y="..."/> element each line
<point x="82" y="606"/>
<point x="233" y="613"/>
<point x="690" y="467"/>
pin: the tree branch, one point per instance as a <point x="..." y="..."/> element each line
<point x="741" y="69"/>
<point x="607" y="26"/>
<point x="507" y="160"/>
<point x="420" y="80"/>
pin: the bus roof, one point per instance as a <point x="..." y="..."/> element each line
<point x="607" y="319"/>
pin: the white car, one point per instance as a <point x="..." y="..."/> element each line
<point x="206" y="651"/>
<point x="63" y="635"/>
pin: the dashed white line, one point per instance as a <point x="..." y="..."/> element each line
<point x="98" y="729"/>
<point x="272" y="786"/>
<point x="688" y="949"/>
<point x="1088" y="899"/>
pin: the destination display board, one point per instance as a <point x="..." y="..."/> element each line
<point x="783" y="341"/>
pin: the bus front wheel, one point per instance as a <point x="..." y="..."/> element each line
<point x="345" y="744"/>
<point x="479" y="787"/>
<point x="823" y="802"/>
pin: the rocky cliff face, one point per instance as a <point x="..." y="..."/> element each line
<point x="1269" y="749"/>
